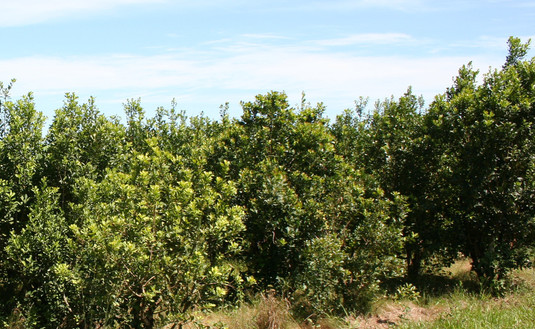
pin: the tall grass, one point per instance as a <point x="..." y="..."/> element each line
<point x="477" y="314"/>
<point x="450" y="300"/>
<point x="516" y="309"/>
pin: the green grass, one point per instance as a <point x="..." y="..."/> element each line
<point x="512" y="313"/>
<point x="452" y="299"/>
<point x="468" y="309"/>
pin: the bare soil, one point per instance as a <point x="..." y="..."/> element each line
<point x="395" y="314"/>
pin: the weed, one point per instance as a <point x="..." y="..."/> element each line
<point x="272" y="313"/>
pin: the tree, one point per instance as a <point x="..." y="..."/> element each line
<point x="21" y="149"/>
<point x="392" y="145"/>
<point x="157" y="237"/>
<point x="81" y="142"/>
<point x="38" y="258"/>
<point x="488" y="133"/>
<point x="299" y="195"/>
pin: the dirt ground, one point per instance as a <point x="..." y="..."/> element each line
<point x="395" y="314"/>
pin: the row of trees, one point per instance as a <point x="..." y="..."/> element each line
<point x="134" y="223"/>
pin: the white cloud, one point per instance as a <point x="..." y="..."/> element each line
<point x="401" y="5"/>
<point x="368" y="38"/>
<point x="390" y="3"/>
<point x="237" y="73"/>
<point x="265" y="36"/>
<point x="495" y="44"/>
<point x="25" y="12"/>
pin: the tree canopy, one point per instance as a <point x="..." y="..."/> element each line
<point x="135" y="223"/>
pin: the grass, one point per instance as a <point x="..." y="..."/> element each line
<point x="267" y="312"/>
<point x="452" y="299"/>
<point x="484" y="315"/>
<point x="516" y="309"/>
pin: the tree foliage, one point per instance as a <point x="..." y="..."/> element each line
<point x="137" y="223"/>
<point x="488" y="133"/>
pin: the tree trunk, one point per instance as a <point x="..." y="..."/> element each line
<point x="414" y="263"/>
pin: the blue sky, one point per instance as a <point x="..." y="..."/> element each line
<point x="205" y="53"/>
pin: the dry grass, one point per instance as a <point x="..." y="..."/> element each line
<point x="461" y="269"/>
<point x="273" y="313"/>
<point x="270" y="312"/>
<point x="394" y="313"/>
<point x="388" y="313"/>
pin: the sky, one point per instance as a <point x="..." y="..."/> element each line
<point x="205" y="53"/>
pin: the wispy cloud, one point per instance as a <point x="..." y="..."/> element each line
<point x="265" y="36"/>
<point x="487" y="42"/>
<point x="26" y="12"/>
<point x="368" y="38"/>
<point x="233" y="73"/>
<point x="399" y="5"/>
<point x="521" y="3"/>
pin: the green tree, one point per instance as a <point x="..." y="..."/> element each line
<point x="299" y="195"/>
<point x="81" y="142"/>
<point x="133" y="238"/>
<point x="156" y="240"/>
<point x="37" y="258"/>
<point x="392" y="145"/>
<point x="488" y="131"/>
<point x="21" y="148"/>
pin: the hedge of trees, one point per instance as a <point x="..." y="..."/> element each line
<point x="134" y="223"/>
